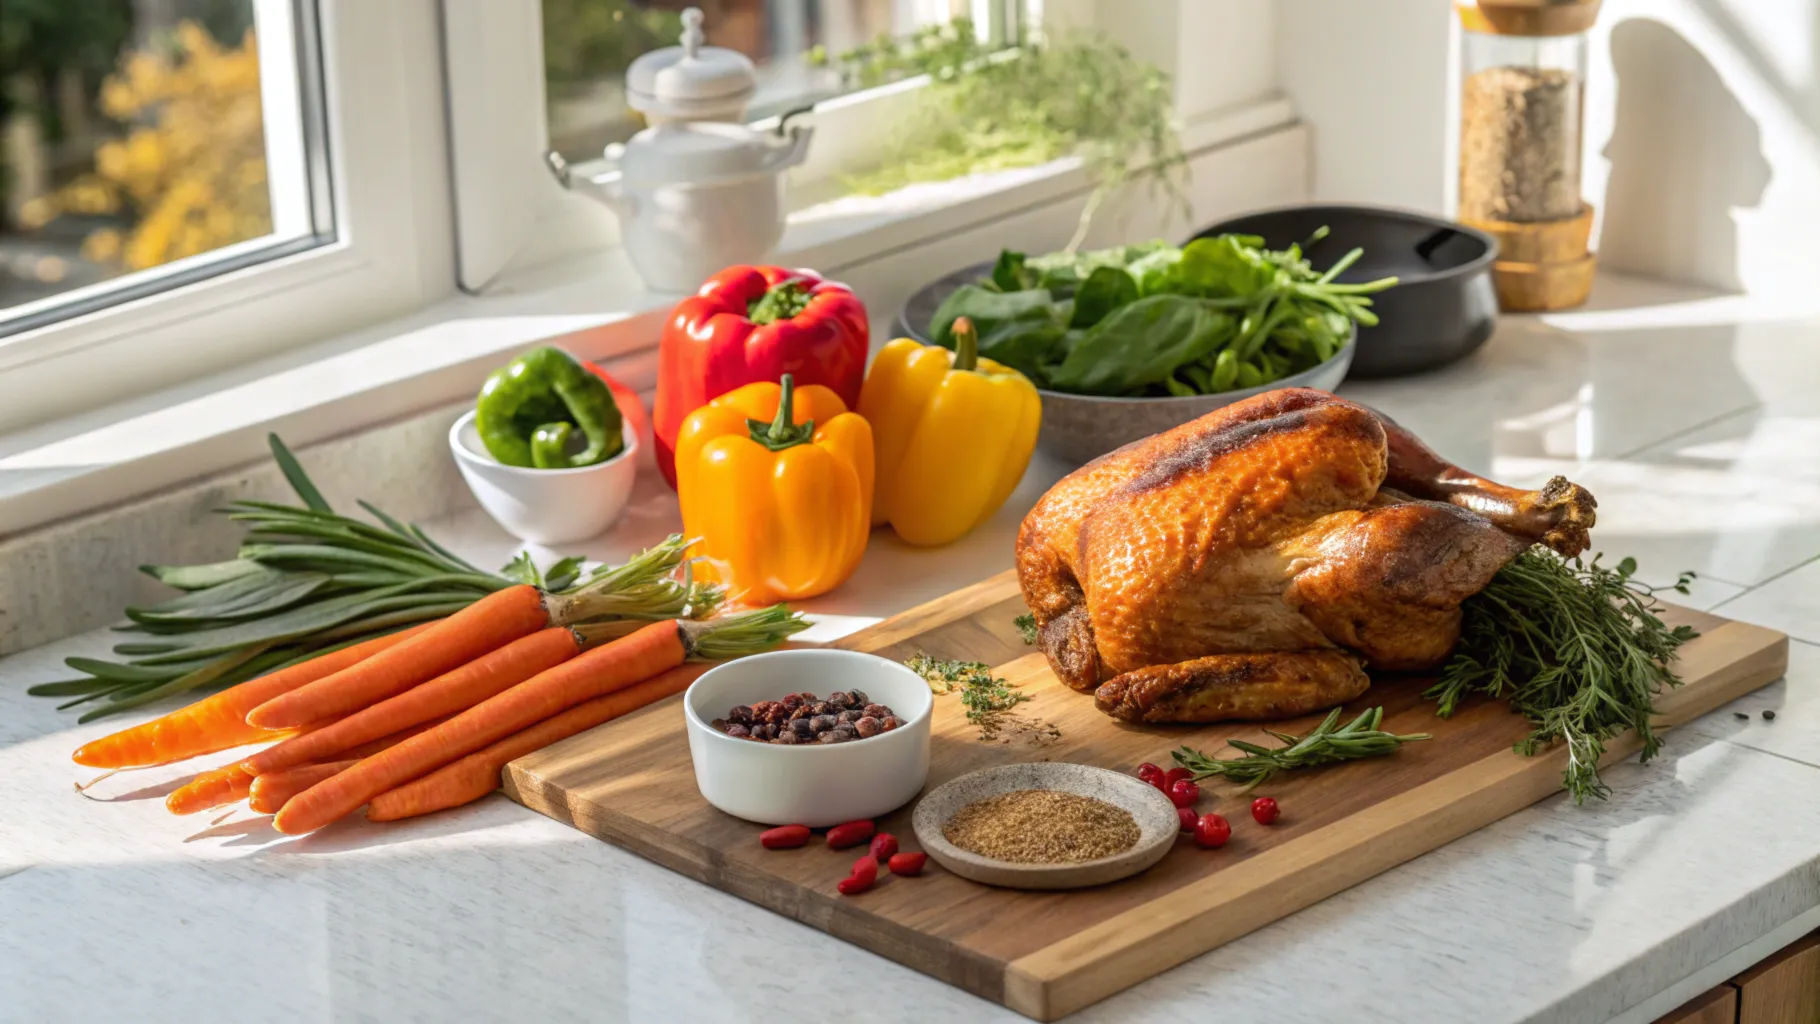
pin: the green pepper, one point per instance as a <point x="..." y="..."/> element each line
<point x="528" y="411"/>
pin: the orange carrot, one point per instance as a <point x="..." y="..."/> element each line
<point x="271" y="790"/>
<point x="230" y="782"/>
<point x="489" y="623"/>
<point x="448" y="693"/>
<point x="653" y="649"/>
<point x="476" y="775"/>
<point x="278" y="791"/>
<point x="218" y="722"/>
<point x="210" y="789"/>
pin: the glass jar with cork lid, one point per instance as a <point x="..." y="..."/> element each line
<point x="1522" y="96"/>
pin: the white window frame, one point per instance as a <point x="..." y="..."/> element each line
<point x="513" y="217"/>
<point x="388" y="174"/>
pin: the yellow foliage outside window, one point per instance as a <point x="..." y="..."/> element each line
<point x="192" y="167"/>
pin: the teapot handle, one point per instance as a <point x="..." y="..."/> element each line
<point x="794" y="147"/>
<point x="603" y="186"/>
<point x="784" y="121"/>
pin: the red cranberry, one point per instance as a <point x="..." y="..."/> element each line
<point x="1211" y="831"/>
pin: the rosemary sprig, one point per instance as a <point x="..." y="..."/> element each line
<point x="989" y="700"/>
<point x="1324" y="744"/>
<point x="1576" y="648"/>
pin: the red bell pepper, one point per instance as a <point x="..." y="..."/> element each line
<point x="749" y="324"/>
<point x="631" y="409"/>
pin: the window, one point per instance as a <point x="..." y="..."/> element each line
<point x="568" y="58"/>
<point x="589" y="44"/>
<point x="288" y="185"/>
<point x="152" y="143"/>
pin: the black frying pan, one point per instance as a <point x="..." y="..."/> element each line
<point x="1443" y="306"/>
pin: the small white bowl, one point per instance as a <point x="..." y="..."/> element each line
<point x="546" y="506"/>
<point x="813" y="784"/>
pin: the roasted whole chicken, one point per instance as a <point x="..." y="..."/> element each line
<point x="1253" y="563"/>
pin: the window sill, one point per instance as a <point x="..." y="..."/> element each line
<point x="593" y="304"/>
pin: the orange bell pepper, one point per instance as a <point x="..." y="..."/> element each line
<point x="776" y="481"/>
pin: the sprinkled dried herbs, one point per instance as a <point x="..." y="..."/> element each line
<point x="988" y="699"/>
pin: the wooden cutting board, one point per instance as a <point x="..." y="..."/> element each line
<point x="1048" y="954"/>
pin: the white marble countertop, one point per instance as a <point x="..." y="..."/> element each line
<point x="1696" y="425"/>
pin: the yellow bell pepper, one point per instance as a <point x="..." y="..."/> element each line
<point x="953" y="433"/>
<point x="776" y="481"/>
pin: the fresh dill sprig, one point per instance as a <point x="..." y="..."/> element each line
<point x="1327" y="743"/>
<point x="1026" y="628"/>
<point x="1576" y="648"/>
<point x="989" y="700"/>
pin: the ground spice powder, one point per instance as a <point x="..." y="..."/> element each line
<point x="1042" y="826"/>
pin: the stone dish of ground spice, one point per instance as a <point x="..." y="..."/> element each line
<point x="1045" y="825"/>
<point x="1042" y="826"/>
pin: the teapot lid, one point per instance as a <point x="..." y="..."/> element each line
<point x="690" y="80"/>
<point x="690" y="152"/>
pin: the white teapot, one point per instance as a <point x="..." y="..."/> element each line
<point x="697" y="191"/>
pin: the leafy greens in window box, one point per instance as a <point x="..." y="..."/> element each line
<point x="1156" y="320"/>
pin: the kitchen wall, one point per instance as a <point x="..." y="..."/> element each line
<point x="1221" y="53"/>
<point x="1702" y="128"/>
<point x="1373" y="80"/>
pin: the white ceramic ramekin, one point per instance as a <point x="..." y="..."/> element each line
<point x="546" y="506"/>
<point x="811" y="784"/>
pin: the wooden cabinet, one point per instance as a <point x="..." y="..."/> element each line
<point x="1784" y="989"/>
<point x="1716" y="1006"/>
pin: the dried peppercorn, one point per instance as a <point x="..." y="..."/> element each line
<point x="801" y="718"/>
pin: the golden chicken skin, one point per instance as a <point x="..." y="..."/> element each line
<point x="1252" y="563"/>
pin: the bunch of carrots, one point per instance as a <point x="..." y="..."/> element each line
<point x="424" y="719"/>
<point x="308" y="581"/>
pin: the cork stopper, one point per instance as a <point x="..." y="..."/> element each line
<point x="1527" y="17"/>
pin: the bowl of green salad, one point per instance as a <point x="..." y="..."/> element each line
<point x="1125" y="342"/>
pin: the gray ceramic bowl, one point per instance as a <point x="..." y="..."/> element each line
<point x="1081" y="428"/>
